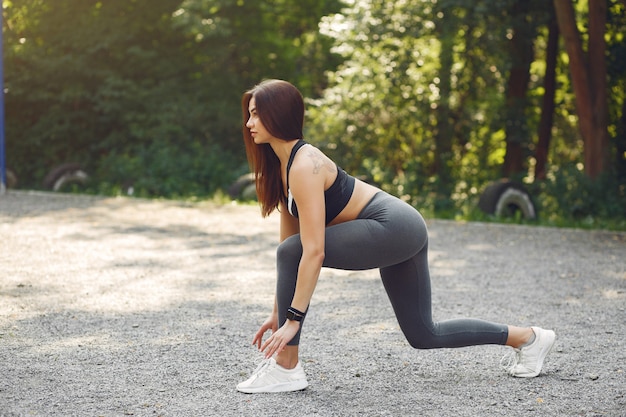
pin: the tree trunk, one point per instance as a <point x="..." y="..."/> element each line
<point x="599" y="85"/>
<point x="589" y="82"/>
<point x="516" y="129"/>
<point x="444" y="132"/>
<point x="547" y="108"/>
<point x="620" y="155"/>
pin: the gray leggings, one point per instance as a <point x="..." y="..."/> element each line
<point x="391" y="235"/>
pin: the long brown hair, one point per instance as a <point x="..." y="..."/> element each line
<point x="280" y="108"/>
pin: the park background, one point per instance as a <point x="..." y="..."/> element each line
<point x="431" y="100"/>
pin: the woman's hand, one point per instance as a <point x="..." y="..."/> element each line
<point x="271" y="323"/>
<point x="279" y="339"/>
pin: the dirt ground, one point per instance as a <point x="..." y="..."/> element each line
<point x="128" y="307"/>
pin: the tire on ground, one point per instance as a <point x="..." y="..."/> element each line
<point x="11" y="178"/>
<point x="244" y="188"/>
<point x="504" y="198"/>
<point x="63" y="175"/>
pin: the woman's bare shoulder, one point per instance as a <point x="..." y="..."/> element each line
<point x="312" y="160"/>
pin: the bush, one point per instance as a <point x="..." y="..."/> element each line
<point x="164" y="169"/>
<point x="569" y="197"/>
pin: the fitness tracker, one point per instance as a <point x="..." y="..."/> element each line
<point x="295" y="315"/>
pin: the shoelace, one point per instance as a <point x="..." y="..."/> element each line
<point x="510" y="360"/>
<point x="262" y="368"/>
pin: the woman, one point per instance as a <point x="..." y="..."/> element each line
<point x="329" y="218"/>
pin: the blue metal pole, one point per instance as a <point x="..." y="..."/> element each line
<point x="3" y="172"/>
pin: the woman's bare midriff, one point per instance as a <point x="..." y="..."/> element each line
<point x="361" y="195"/>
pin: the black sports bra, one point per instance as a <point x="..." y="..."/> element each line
<point x="336" y="196"/>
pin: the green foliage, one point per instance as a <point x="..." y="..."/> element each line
<point x="616" y="65"/>
<point x="418" y="104"/>
<point x="376" y="111"/>
<point x="128" y="83"/>
<point x="146" y="94"/>
<point x="239" y="43"/>
<point x="395" y="113"/>
<point x="163" y="169"/>
<point x="107" y="82"/>
<point x="568" y="194"/>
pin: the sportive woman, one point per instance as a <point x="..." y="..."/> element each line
<point x="331" y="219"/>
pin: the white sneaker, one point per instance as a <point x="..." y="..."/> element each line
<point x="271" y="377"/>
<point x="526" y="362"/>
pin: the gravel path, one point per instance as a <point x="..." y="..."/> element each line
<point x="128" y="307"/>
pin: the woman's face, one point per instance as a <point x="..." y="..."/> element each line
<point x="257" y="130"/>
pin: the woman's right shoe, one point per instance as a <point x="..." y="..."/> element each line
<point x="526" y="362"/>
<point x="271" y="377"/>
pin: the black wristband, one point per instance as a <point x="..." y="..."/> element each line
<point x="294" y="314"/>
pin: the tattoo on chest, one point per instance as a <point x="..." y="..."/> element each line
<point x="320" y="162"/>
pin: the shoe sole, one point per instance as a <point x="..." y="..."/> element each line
<point x="284" y="387"/>
<point x="542" y="357"/>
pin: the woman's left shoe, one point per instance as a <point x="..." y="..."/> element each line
<point x="271" y="377"/>
<point x="526" y="362"/>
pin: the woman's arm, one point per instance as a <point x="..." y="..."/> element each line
<point x="307" y="187"/>
<point x="288" y="224"/>
<point x="288" y="227"/>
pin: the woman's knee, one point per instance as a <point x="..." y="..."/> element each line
<point x="421" y="339"/>
<point x="289" y="248"/>
<point x="421" y="343"/>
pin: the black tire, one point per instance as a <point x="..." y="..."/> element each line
<point x="64" y="175"/>
<point x="505" y="198"/>
<point x="11" y="178"/>
<point x="244" y="187"/>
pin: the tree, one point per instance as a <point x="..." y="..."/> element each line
<point x="418" y="100"/>
<point x="521" y="51"/>
<point x="589" y="80"/>
<point x="132" y="89"/>
<point x="616" y="70"/>
<point x="544" y="132"/>
<point x="239" y="43"/>
<point x="376" y="115"/>
<point x="109" y="83"/>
